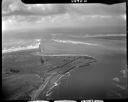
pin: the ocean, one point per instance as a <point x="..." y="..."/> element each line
<point x="94" y="81"/>
<point x="10" y="44"/>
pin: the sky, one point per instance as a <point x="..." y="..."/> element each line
<point x="19" y="16"/>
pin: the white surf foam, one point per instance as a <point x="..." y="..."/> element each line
<point x="21" y="46"/>
<point x="74" y="42"/>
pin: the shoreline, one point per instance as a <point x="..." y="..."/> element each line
<point x="20" y="50"/>
<point x="26" y="67"/>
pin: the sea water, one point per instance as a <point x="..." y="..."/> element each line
<point x="109" y="51"/>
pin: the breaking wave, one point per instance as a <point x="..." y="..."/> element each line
<point x="21" y="44"/>
<point x="73" y="42"/>
<point x="17" y="45"/>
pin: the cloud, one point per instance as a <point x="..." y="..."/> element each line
<point x="16" y="7"/>
<point x="61" y="21"/>
<point x="99" y="9"/>
<point x="16" y="15"/>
